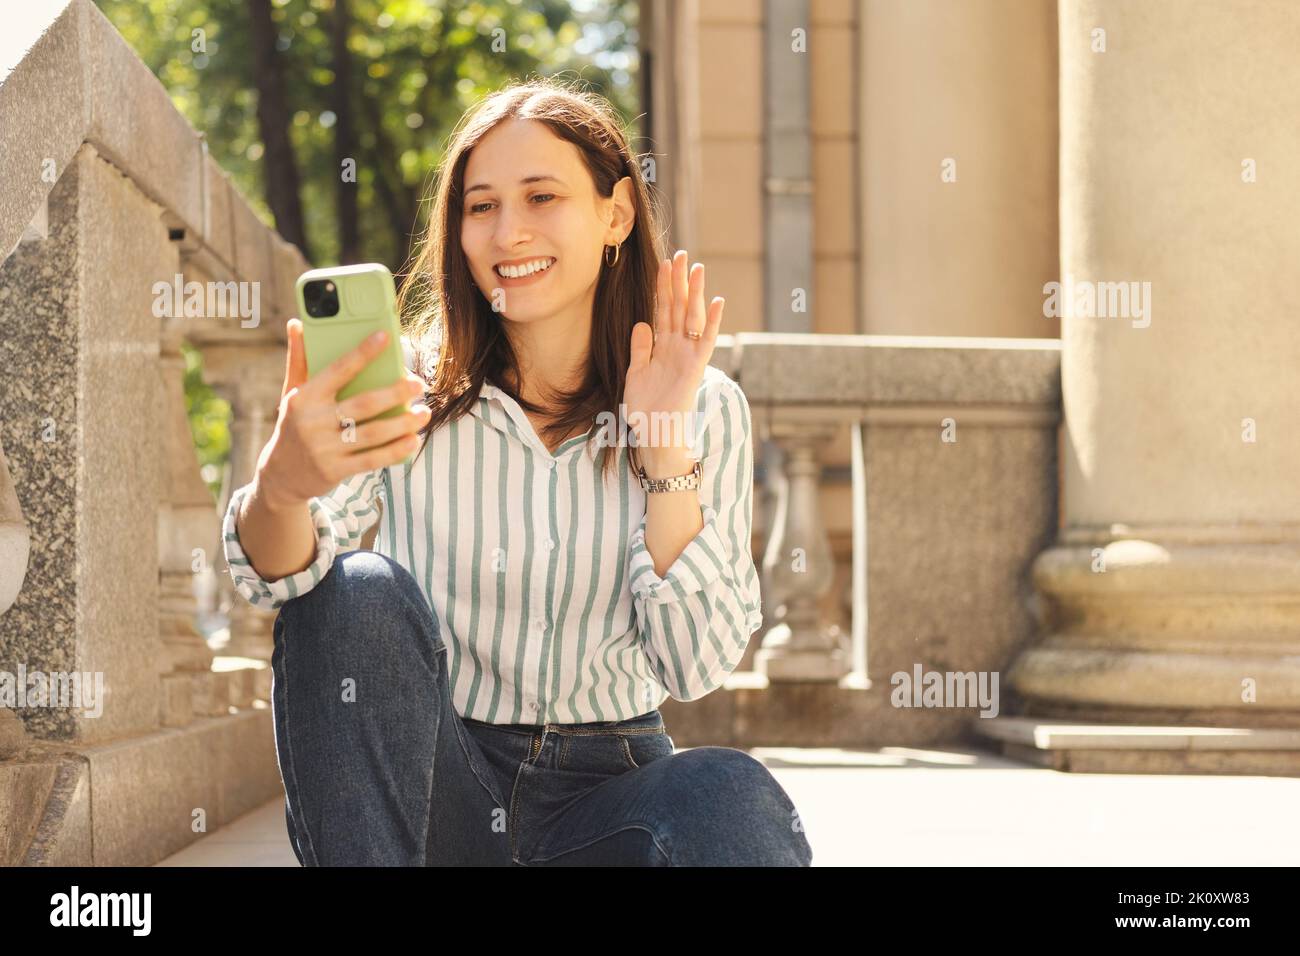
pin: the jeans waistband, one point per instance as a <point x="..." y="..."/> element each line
<point x="649" y="722"/>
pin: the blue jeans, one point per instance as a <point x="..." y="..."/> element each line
<point x="380" y="770"/>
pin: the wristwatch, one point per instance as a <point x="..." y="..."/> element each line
<point x="685" y="482"/>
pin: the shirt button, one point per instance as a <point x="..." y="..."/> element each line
<point x="549" y="544"/>
<point x="532" y="705"/>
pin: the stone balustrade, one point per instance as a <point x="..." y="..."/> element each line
<point x="106" y="193"/>
<point x="954" y="496"/>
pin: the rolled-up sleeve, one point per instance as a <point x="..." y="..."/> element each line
<point x="340" y="518"/>
<point x="696" y="620"/>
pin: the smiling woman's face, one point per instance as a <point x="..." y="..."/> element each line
<point x="550" y="230"/>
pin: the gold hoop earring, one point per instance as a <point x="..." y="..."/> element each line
<point x="617" y="247"/>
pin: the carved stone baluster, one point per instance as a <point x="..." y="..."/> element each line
<point x="798" y="564"/>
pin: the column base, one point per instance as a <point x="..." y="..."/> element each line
<point x="1199" y="633"/>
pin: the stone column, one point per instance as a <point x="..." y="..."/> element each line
<point x="1173" y="592"/>
<point x="249" y="378"/>
<point x="788" y="215"/>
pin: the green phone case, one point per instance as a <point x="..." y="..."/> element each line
<point x="367" y="302"/>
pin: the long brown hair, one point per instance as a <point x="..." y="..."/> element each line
<point x="459" y="341"/>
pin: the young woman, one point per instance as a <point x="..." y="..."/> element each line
<point x="483" y="687"/>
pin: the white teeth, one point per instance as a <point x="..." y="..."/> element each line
<point x="528" y="268"/>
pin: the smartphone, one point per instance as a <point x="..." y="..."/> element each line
<point x="340" y="308"/>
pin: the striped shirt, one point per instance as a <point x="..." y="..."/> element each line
<point x="536" y="568"/>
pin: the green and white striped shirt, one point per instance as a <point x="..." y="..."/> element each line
<point x="536" y="568"/>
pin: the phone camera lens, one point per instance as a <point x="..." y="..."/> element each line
<point x="321" y="299"/>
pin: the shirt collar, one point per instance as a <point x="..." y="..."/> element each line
<point x="508" y="408"/>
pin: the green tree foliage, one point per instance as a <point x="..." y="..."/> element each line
<point x="417" y="66"/>
<point x="209" y="417"/>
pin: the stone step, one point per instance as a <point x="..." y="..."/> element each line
<point x="153" y="794"/>
<point x="1133" y="748"/>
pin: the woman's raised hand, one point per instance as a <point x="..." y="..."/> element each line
<point x="317" y="442"/>
<point x="667" y="365"/>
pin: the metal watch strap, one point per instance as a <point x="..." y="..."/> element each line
<point x="685" y="482"/>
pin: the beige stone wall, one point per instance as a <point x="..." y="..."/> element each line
<point x="896" y="88"/>
<point x="975" y="81"/>
<point x="729" y="217"/>
<point x="833" y="42"/>
<point x="729" y="224"/>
